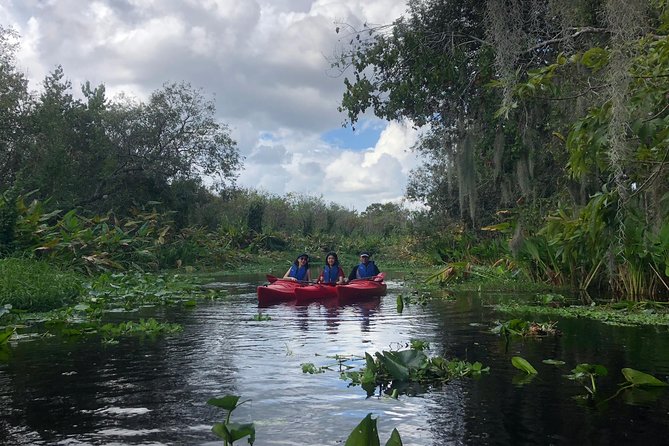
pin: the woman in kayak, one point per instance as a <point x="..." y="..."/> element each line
<point x="332" y="273"/>
<point x="366" y="268"/>
<point x="299" y="270"/>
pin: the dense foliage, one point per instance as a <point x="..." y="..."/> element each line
<point x="547" y="122"/>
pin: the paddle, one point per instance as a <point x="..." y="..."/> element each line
<point x="272" y="279"/>
<point x="378" y="278"/>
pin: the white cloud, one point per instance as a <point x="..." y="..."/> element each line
<point x="265" y="63"/>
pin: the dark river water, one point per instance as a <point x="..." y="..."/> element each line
<point x="77" y="391"/>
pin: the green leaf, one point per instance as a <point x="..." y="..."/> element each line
<point x="364" y="434"/>
<point x="641" y="379"/>
<point x="221" y="431"/>
<point x="241" y="430"/>
<point x="595" y="58"/>
<point x="228" y="402"/>
<point x="400" y="304"/>
<point x="553" y="362"/>
<point x="4" y="336"/>
<point x="522" y="364"/>
<point x="394" y="439"/>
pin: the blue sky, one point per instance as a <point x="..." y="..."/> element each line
<point x="266" y="64"/>
<point x="360" y="139"/>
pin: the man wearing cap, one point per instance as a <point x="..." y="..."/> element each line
<point x="366" y="268"/>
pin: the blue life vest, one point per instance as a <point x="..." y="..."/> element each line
<point x="368" y="270"/>
<point x="330" y="275"/>
<point x="300" y="273"/>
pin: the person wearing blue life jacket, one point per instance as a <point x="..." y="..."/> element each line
<point x="366" y="268"/>
<point x="332" y="273"/>
<point x="299" y="270"/>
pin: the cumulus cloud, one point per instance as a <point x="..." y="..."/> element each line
<point x="265" y="63"/>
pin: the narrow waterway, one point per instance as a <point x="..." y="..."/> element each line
<point x="142" y="391"/>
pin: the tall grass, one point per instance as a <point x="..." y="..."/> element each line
<point x="36" y="285"/>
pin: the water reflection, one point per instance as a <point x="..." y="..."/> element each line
<point x="144" y="391"/>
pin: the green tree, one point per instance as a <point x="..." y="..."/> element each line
<point x="175" y="136"/>
<point x="436" y="66"/>
<point x="15" y="107"/>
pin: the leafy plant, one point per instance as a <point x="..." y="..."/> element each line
<point x="394" y="369"/>
<point x="311" y="368"/>
<point x="231" y="432"/>
<point x="518" y="327"/>
<point x="149" y="327"/>
<point x="366" y="434"/>
<point x="261" y="317"/>
<point x="524" y="365"/>
<point x="587" y="375"/>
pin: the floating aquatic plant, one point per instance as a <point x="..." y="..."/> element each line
<point x="227" y="431"/>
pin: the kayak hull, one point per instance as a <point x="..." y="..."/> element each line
<point x="360" y="289"/>
<point x="279" y="291"/>
<point x="314" y="293"/>
<point x="282" y="290"/>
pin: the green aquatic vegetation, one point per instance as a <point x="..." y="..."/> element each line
<point x="551" y="299"/>
<point x="524" y="365"/>
<point x="261" y="317"/>
<point x="612" y="314"/>
<point x="311" y="368"/>
<point x="394" y="369"/>
<point x="130" y="291"/>
<point x="519" y="327"/>
<point x="419" y="344"/>
<point x="367" y="434"/>
<point x="586" y="375"/>
<point x="227" y="431"/>
<point x="149" y="327"/>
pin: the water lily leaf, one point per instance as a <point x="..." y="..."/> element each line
<point x="241" y="430"/>
<point x="641" y="379"/>
<point x="221" y="431"/>
<point x="394" y="439"/>
<point x="522" y="364"/>
<point x="228" y="402"/>
<point x="364" y="434"/>
<point x="590" y="369"/>
<point x="394" y="366"/>
<point x="369" y="363"/>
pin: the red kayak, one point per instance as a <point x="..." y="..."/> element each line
<point x="362" y="288"/>
<point x="278" y="290"/>
<point x="313" y="293"/>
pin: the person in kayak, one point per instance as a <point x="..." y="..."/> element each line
<point x="366" y="268"/>
<point x="299" y="270"/>
<point x="332" y="273"/>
